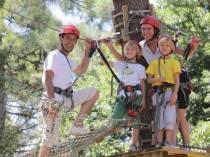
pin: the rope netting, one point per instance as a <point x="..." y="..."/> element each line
<point x="77" y="145"/>
<point x="74" y="145"/>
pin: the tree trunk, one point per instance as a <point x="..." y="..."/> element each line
<point x="133" y="5"/>
<point x="2" y="99"/>
<point x="2" y="113"/>
<point x="120" y="21"/>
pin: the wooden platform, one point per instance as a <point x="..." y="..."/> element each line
<point x="165" y="152"/>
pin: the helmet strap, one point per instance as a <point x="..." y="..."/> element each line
<point x="63" y="50"/>
<point x="156" y="34"/>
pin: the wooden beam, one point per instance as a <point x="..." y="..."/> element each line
<point x="116" y="15"/>
<point x="125" y="15"/>
<point x="164" y="152"/>
<point x="125" y="31"/>
<point x="118" y="25"/>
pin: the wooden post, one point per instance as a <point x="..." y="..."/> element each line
<point x="125" y="30"/>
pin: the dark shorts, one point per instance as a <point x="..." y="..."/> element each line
<point x="183" y="99"/>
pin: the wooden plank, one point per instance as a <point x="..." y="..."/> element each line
<point x="179" y="155"/>
<point x="189" y="153"/>
<point x="114" y="20"/>
<point x="118" y="25"/>
<point x="125" y="15"/>
<point x="117" y="14"/>
<point x="164" y="152"/>
<point x="125" y="29"/>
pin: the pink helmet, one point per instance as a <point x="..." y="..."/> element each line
<point x="151" y="20"/>
<point x="70" y="29"/>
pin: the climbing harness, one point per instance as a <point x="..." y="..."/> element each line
<point x="159" y="99"/>
<point x="131" y="93"/>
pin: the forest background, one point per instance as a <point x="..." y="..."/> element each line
<point x="28" y="31"/>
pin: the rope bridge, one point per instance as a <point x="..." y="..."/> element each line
<point x="75" y="145"/>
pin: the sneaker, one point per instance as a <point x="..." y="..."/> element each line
<point x="158" y="145"/>
<point x="186" y="147"/>
<point x="76" y="131"/>
<point x="134" y="148"/>
<point x="166" y="144"/>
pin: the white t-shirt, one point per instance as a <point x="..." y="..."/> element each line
<point x="63" y="74"/>
<point x="147" y="53"/>
<point x="129" y="73"/>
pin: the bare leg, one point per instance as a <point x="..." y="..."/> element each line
<point x="44" y="151"/>
<point x="169" y="134"/>
<point x="160" y="136"/>
<point x="174" y="140"/>
<point x="85" y="109"/>
<point x="184" y="126"/>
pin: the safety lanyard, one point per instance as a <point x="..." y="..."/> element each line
<point x="72" y="101"/>
<point x="159" y="67"/>
<point x="66" y="59"/>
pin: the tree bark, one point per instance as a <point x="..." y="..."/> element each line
<point x="2" y="103"/>
<point x="133" y="5"/>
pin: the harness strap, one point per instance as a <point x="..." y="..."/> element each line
<point x="129" y="100"/>
<point x="68" y="92"/>
<point x="129" y="88"/>
<point x="159" y="66"/>
<point x="161" y="88"/>
<point x="159" y="101"/>
<point x="187" y="51"/>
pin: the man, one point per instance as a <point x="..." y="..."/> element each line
<point x="58" y="77"/>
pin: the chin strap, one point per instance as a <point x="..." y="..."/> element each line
<point x="63" y="49"/>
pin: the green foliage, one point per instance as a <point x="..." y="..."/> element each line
<point x="22" y="56"/>
<point x="95" y="12"/>
<point x="10" y="142"/>
<point x="1" y="2"/>
<point x="200" y="135"/>
<point x="21" y="63"/>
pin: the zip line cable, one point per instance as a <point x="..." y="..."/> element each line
<point x="42" y="23"/>
<point x="57" y="30"/>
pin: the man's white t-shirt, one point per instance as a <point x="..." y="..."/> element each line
<point x="63" y="74"/>
<point x="147" y="53"/>
<point x="129" y="73"/>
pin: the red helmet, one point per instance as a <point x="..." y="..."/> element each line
<point x="151" y="20"/>
<point x="70" y="29"/>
